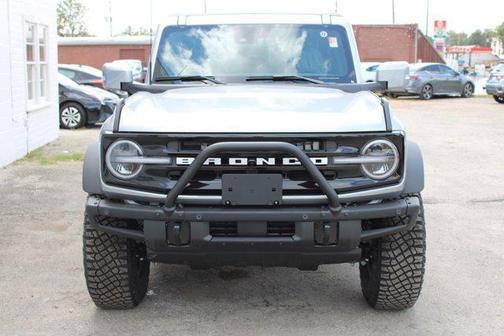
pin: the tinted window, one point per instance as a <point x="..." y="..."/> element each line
<point x="81" y="75"/>
<point x="447" y="70"/>
<point x="320" y="51"/>
<point x="432" y="68"/>
<point x="68" y="73"/>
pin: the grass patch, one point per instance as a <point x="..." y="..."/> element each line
<point x="39" y="156"/>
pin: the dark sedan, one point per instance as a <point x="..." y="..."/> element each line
<point x="432" y="79"/>
<point x="82" y="104"/>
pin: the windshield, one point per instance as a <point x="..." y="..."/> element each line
<point x="240" y="51"/>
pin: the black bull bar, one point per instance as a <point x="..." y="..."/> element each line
<point x="253" y="146"/>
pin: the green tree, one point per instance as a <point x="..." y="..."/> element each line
<point x="481" y="38"/>
<point x="70" y="19"/>
<point x="141" y="31"/>
<point x="499" y="32"/>
<point x="453" y="38"/>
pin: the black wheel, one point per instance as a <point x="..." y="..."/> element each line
<point x="499" y="99"/>
<point x="468" y="90"/>
<point x="116" y="269"/>
<point x="427" y="92"/>
<point x="393" y="267"/>
<point x="72" y="116"/>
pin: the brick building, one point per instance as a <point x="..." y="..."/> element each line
<point x="95" y="52"/>
<point x="384" y="43"/>
<point x="28" y="77"/>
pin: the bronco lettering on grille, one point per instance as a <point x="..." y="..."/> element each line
<point x="258" y="161"/>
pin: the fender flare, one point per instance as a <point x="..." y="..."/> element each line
<point x="415" y="179"/>
<point x="91" y="175"/>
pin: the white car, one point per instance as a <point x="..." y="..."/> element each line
<point x="369" y="71"/>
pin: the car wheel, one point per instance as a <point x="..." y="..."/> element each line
<point x="427" y="92"/>
<point x="468" y="90"/>
<point x="72" y="116"/>
<point x="499" y="99"/>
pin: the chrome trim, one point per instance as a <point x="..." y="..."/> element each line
<point x="336" y="161"/>
<point x="143" y="160"/>
<point x="366" y="159"/>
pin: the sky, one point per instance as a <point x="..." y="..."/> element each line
<point x="461" y="15"/>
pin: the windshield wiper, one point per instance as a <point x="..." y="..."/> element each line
<point x="285" y="78"/>
<point x="194" y="78"/>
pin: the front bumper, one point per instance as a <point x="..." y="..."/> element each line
<point x="183" y="236"/>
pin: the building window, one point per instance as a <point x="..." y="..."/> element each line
<point x="36" y="63"/>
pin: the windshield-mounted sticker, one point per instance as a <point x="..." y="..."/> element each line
<point x="323" y="34"/>
<point x="333" y="42"/>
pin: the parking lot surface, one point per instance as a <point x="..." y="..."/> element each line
<point x="43" y="290"/>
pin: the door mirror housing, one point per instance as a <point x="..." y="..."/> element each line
<point x="396" y="74"/>
<point x="114" y="74"/>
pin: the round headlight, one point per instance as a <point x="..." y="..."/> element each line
<point x="118" y="159"/>
<point x="384" y="159"/>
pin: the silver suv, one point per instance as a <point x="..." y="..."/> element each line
<point x="254" y="141"/>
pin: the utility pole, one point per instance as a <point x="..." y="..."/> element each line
<point x="393" y="11"/>
<point x="336" y="6"/>
<point x="109" y="19"/>
<point x="427" y="20"/>
<point x="204" y="3"/>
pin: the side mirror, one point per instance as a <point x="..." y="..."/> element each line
<point x="114" y="74"/>
<point x="396" y="74"/>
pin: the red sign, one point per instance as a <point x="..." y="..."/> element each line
<point x="439" y="26"/>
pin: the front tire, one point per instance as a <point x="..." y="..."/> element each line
<point x="427" y="92"/>
<point x="72" y="116"/>
<point x="393" y="269"/>
<point x="468" y="90"/>
<point x="499" y="99"/>
<point x="116" y="269"/>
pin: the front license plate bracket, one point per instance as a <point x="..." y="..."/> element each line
<point x="252" y="189"/>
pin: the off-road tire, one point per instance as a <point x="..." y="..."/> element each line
<point x="393" y="269"/>
<point x="116" y="269"/>
<point x="499" y="99"/>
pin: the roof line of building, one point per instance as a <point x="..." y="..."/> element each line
<point x="119" y="40"/>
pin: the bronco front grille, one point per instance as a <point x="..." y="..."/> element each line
<point x="208" y="181"/>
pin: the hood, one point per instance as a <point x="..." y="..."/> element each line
<point x="252" y="108"/>
<point x="100" y="94"/>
